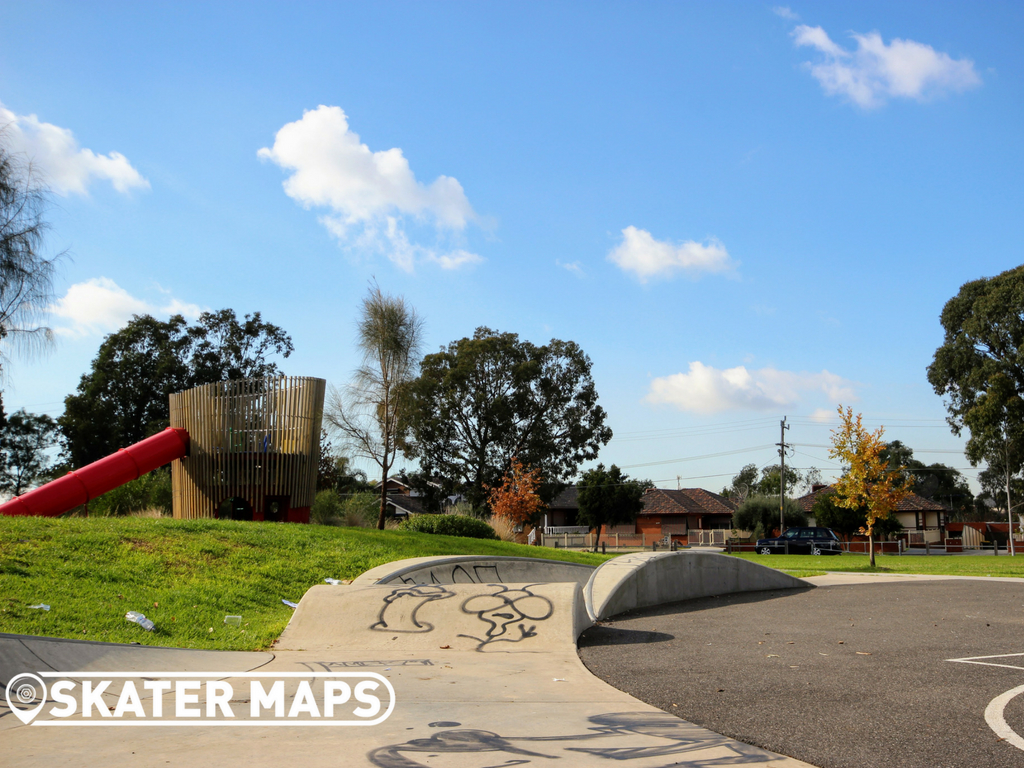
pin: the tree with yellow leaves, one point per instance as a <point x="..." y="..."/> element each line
<point x="868" y="480"/>
<point x="516" y="499"/>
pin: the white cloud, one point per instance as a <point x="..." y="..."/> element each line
<point x="54" y="153"/>
<point x="710" y="390"/>
<point x="573" y="266"/>
<point x="875" y="71"/>
<point x="370" y="195"/>
<point x="100" y="306"/>
<point x="823" y="415"/>
<point x="786" y="13"/>
<point x="646" y="257"/>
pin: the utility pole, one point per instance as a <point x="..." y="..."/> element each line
<point x="782" y="475"/>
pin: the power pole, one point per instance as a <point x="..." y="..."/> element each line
<point x="782" y="475"/>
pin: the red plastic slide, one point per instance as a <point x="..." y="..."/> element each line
<point x="81" y="485"/>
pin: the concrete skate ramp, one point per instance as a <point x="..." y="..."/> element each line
<point x="431" y="617"/>
<point x="476" y="569"/>
<point x="25" y="653"/>
<point x="647" y="579"/>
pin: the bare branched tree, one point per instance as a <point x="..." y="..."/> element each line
<point x="26" y="276"/>
<point x="368" y="413"/>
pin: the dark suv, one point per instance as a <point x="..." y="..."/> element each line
<point x="802" y="541"/>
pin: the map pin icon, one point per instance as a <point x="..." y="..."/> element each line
<point x="22" y="690"/>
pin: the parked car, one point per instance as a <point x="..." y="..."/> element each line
<point x="802" y="541"/>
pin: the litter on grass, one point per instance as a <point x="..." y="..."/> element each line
<point x="234" y="621"/>
<point x="333" y="581"/>
<point x="140" y="619"/>
<point x="40" y="607"/>
<point x="290" y="604"/>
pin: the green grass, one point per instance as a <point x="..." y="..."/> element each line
<point x="952" y="565"/>
<point x="186" y="575"/>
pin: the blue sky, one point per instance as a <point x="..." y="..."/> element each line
<point x="740" y="211"/>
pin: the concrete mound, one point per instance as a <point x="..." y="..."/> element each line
<point x="476" y="569"/>
<point x="647" y="579"/>
<point x="428" y="617"/>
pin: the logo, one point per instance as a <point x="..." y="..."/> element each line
<point x="201" y="698"/>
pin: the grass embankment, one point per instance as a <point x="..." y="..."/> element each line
<point x="187" y="575"/>
<point x="938" y="565"/>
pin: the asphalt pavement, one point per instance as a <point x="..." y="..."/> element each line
<point x="848" y="676"/>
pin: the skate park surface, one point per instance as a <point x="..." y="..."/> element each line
<point x="484" y="672"/>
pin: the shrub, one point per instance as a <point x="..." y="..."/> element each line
<point x="504" y="528"/>
<point x="326" y="508"/>
<point x="449" y="525"/>
<point x="764" y="511"/>
<point x="152" y="491"/>
<point x="359" y="510"/>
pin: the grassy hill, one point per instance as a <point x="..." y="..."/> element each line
<point x="187" y="575"/>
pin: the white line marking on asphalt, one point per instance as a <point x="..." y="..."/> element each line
<point x="996" y="721"/>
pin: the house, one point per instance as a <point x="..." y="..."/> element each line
<point x="675" y="513"/>
<point x="402" y="499"/>
<point x="915" y="513"/>
<point x="562" y="510"/>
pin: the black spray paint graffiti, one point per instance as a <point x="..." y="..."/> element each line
<point x="677" y="738"/>
<point x="482" y="574"/>
<point x="398" y="614"/>
<point x="327" y="666"/>
<point x="504" y="608"/>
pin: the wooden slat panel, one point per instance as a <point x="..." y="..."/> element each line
<point x="229" y="423"/>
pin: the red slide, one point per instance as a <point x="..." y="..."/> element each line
<point x="81" y="485"/>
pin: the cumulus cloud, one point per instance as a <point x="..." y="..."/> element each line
<point x="785" y="12"/>
<point x="646" y="257"/>
<point x="100" y="305"/>
<point x="704" y="389"/>
<point x="877" y="71"/>
<point x="823" y="415"/>
<point x="370" y="195"/>
<point x="62" y="165"/>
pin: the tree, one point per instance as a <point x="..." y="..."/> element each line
<point x="769" y="484"/>
<point x="125" y="395"/>
<point x="845" y="521"/>
<point x="483" y="400"/>
<point x="867" y="481"/>
<point x="26" y="276"/>
<point x="763" y="511"/>
<point x="225" y="349"/>
<point x="932" y="481"/>
<point x="24" y="440"/>
<point x="609" y="497"/>
<point x="516" y="499"/>
<point x="744" y="483"/>
<point x="369" y="413"/>
<point x="978" y="370"/>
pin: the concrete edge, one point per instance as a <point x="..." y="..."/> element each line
<point x="389" y="572"/>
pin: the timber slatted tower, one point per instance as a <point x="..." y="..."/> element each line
<point x="254" y="446"/>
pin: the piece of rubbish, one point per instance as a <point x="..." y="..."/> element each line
<point x="773" y="655"/>
<point x="333" y="581"/>
<point x="559" y="680"/>
<point x="40" y="607"/>
<point x="863" y="653"/>
<point x="140" y="619"/>
<point x="234" y="621"/>
<point x="445" y="647"/>
<point x="290" y="604"/>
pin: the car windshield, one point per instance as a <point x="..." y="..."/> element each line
<point x="792" y="533"/>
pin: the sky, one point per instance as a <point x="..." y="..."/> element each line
<point x="742" y="212"/>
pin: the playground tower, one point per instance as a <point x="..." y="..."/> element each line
<point x="254" y="446"/>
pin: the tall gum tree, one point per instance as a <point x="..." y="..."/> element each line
<point x="979" y="371"/>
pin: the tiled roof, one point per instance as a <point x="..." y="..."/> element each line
<point x="408" y="504"/>
<point x="912" y="503"/>
<point x="567" y="499"/>
<point x="688" y="501"/>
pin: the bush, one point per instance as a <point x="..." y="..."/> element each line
<point x="764" y="511"/>
<point x="326" y="509"/>
<point x="359" y="510"/>
<point x="151" y="491"/>
<point x="449" y="525"/>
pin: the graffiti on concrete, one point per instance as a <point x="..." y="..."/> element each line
<point x="402" y="604"/>
<point x="457" y="574"/>
<point x="617" y="737"/>
<point x="507" y="613"/>
<point x="327" y="666"/>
